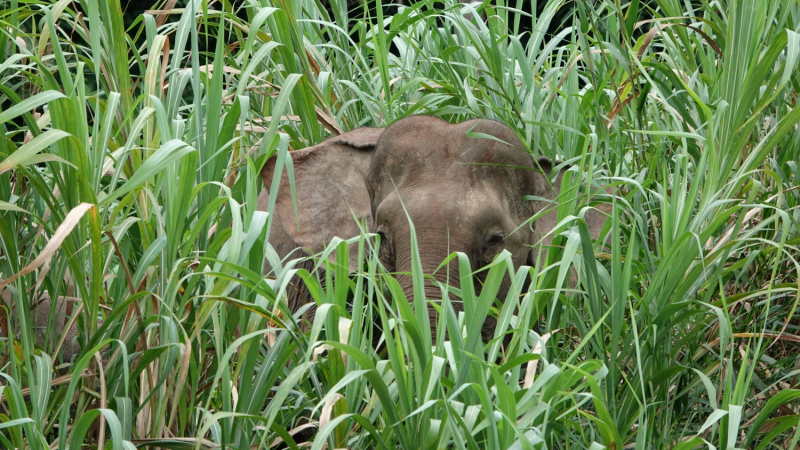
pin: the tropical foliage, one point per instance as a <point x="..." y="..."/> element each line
<point x="130" y="159"/>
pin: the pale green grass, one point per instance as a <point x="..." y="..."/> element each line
<point x="682" y="333"/>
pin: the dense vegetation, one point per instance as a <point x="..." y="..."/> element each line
<point x="130" y="160"/>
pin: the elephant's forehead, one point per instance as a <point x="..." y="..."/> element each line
<point x="467" y="187"/>
<point x="457" y="151"/>
<point x="444" y="192"/>
<point x="423" y="141"/>
<point x="471" y="178"/>
<point x="441" y="202"/>
<point x="474" y="165"/>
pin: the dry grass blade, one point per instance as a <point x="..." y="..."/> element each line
<point x="70" y="221"/>
<point x="530" y="370"/>
<point x="162" y="16"/>
<point x="327" y="121"/>
<point x="648" y="38"/>
<point x="293" y="432"/>
<point x="57" y="381"/>
<point x="327" y="411"/>
<point x="571" y="66"/>
<point x="746" y="223"/>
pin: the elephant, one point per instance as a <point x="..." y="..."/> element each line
<point x="40" y="316"/>
<point x="462" y="185"/>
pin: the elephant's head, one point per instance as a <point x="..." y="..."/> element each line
<point x="462" y="186"/>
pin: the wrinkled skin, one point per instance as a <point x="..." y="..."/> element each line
<point x="462" y="193"/>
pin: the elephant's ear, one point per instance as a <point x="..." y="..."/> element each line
<point x="329" y="182"/>
<point x="548" y="186"/>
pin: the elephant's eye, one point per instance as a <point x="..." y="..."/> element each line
<point x="495" y="240"/>
<point x="385" y="242"/>
<point x="386" y="254"/>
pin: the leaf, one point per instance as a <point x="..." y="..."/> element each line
<point x="782" y="397"/>
<point x="29" y="104"/>
<point x="28" y="152"/>
<point x="168" y="153"/>
<point x="70" y="221"/>
<point x="5" y="206"/>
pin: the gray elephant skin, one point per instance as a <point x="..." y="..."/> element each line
<point x="462" y="186"/>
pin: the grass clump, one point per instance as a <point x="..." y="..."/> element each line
<point x="129" y="164"/>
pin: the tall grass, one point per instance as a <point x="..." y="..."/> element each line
<point x="130" y="164"/>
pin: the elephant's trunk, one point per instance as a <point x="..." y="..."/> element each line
<point x="435" y="250"/>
